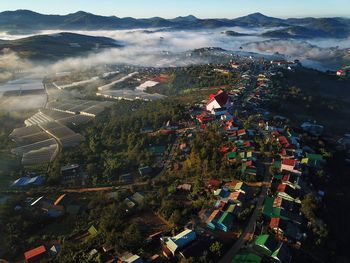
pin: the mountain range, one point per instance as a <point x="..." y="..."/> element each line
<point x="24" y="21"/>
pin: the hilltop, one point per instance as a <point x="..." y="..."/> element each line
<point x="57" y="46"/>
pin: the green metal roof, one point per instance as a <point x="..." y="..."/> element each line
<point x="268" y="242"/>
<point x="261" y="240"/>
<point x="232" y="155"/>
<point x="225" y="218"/>
<point x="278" y="176"/>
<point x="277" y="164"/>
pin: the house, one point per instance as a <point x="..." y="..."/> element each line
<point x="280" y="208"/>
<point x="129" y="203"/>
<point x="219" y="112"/>
<point x="222" y="192"/>
<point x="130" y="258"/>
<point x="287" y="192"/>
<point x="173" y="244"/>
<point x="285" y="228"/>
<point x="184" y="187"/>
<point x="70" y="172"/>
<point x="292" y="180"/>
<point x="238" y="186"/>
<point x="29" y="181"/>
<point x="213" y="218"/>
<point x="219" y="100"/>
<point x="237" y="197"/>
<point x="36" y="255"/>
<point x="266" y="245"/>
<point x="225" y="222"/>
<point x="289" y="165"/>
<point x="241" y="132"/>
<point x="138" y="198"/>
<point x="214" y="184"/>
<point x="282" y="254"/>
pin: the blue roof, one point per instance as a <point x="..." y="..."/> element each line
<point x="26" y="181"/>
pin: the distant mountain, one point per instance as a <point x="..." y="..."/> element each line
<point x="258" y="19"/>
<point x="330" y="27"/>
<point x="22" y="21"/>
<point x="57" y="46"/>
<point x="296" y="32"/>
<point x="233" y="33"/>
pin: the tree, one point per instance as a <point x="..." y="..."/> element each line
<point x="216" y="248"/>
<point x="308" y="207"/>
<point x="175" y="217"/>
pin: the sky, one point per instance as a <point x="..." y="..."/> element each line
<point x="174" y="8"/>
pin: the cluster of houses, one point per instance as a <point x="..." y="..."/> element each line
<point x="284" y="224"/>
<point x="282" y="207"/>
<point x="232" y="197"/>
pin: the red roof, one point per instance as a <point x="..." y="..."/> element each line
<point x="224" y="149"/>
<point x="277" y="202"/>
<point x="221" y="97"/>
<point x="35" y="252"/>
<point x="274" y="223"/>
<point x="289" y="162"/>
<point x="286" y="178"/>
<point x="241" y="132"/>
<point x="249" y="163"/>
<point x="214" y="183"/>
<point x="211" y="97"/>
<point x="275" y="133"/>
<point x="281" y="188"/>
<point x="283" y="140"/>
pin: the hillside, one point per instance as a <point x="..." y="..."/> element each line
<point x="57" y="46"/>
<point x="296" y="32"/>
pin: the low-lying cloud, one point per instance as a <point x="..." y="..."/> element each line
<point x="157" y="47"/>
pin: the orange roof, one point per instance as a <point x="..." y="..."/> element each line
<point x="234" y="195"/>
<point x="277" y="202"/>
<point x="241" y="132"/>
<point x="212" y="216"/>
<point x="35" y="252"/>
<point x="274" y="223"/>
<point x="232" y="183"/>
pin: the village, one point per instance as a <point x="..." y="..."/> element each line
<point x="251" y="197"/>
